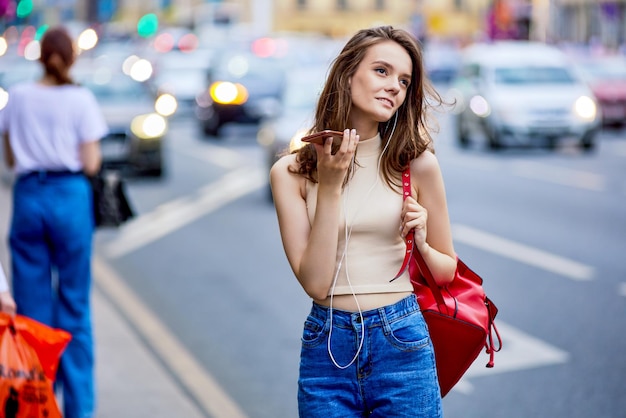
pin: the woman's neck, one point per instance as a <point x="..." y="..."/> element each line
<point x="47" y="80"/>
<point x="366" y="130"/>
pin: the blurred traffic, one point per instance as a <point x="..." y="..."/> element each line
<point x="512" y="92"/>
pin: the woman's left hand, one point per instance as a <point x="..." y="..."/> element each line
<point x="414" y="216"/>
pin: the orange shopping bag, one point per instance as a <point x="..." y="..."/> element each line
<point x="29" y="357"/>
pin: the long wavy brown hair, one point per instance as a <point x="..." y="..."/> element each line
<point x="411" y="136"/>
<point x="57" y="55"/>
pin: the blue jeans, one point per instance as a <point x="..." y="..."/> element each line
<point x="394" y="374"/>
<point x="51" y="244"/>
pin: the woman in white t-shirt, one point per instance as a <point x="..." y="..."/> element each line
<point x="51" y="131"/>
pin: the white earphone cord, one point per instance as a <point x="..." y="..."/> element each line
<point x="344" y="255"/>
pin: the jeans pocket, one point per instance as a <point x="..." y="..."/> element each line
<point x="314" y="331"/>
<point x="408" y="333"/>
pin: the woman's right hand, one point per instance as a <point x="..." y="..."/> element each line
<point x="7" y="303"/>
<point x="332" y="168"/>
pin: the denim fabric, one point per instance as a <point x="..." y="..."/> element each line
<point x="394" y="374"/>
<point x="51" y="244"/>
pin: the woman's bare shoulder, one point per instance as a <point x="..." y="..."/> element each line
<point x="287" y="164"/>
<point x="425" y="164"/>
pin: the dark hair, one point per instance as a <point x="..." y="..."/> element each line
<point x="411" y="136"/>
<point x="57" y="54"/>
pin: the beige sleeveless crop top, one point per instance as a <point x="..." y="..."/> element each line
<point x="375" y="248"/>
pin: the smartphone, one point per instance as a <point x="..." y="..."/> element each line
<point x="320" y="137"/>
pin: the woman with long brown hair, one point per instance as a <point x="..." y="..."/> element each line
<point x="365" y="346"/>
<point x="51" y="130"/>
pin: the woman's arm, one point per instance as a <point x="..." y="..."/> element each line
<point x="91" y="157"/>
<point x="429" y="217"/>
<point x="9" y="158"/>
<point x="7" y="304"/>
<point x="311" y="248"/>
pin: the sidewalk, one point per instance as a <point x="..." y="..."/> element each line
<point x="131" y="382"/>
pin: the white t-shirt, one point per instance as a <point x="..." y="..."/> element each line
<point x="46" y="125"/>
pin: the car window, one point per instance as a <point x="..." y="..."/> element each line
<point x="247" y="66"/>
<point x="533" y="75"/>
<point x="471" y="71"/>
<point x="117" y="88"/>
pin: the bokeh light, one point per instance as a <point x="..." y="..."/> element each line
<point x="87" y="39"/>
<point x="32" y="51"/>
<point x="141" y="70"/>
<point x="4" y="46"/>
<point x="166" y="104"/>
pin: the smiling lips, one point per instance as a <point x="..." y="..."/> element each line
<point x="388" y="102"/>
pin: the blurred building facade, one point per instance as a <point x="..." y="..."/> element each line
<point x="599" y="22"/>
<point x="582" y="21"/>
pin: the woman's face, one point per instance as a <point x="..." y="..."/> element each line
<point x="380" y="84"/>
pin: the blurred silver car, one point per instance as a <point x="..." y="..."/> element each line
<point x="522" y="93"/>
<point x="137" y="130"/>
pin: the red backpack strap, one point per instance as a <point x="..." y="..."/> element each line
<point x="406" y="192"/>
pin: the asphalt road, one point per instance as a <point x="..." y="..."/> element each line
<point x="546" y="230"/>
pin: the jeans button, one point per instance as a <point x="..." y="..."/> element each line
<point x="358" y="319"/>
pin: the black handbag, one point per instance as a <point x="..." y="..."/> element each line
<point x="111" y="207"/>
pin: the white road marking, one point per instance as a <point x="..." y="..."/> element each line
<point x="559" y="175"/>
<point x="520" y="351"/>
<point x="522" y="253"/>
<point x="173" y="215"/>
<point x="205" y="390"/>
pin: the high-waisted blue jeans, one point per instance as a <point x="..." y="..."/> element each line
<point x="394" y="374"/>
<point x="51" y="244"/>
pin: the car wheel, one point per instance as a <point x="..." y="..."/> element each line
<point x="494" y="141"/>
<point x="588" y="141"/>
<point x="211" y="126"/>
<point x="551" y="142"/>
<point x="462" y="134"/>
<point x="155" y="172"/>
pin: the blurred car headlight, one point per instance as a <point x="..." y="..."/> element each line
<point x="4" y="98"/>
<point x="166" y="104"/>
<point x="480" y="106"/>
<point x="225" y="92"/>
<point x="150" y="126"/>
<point x="141" y="70"/>
<point x="585" y="108"/>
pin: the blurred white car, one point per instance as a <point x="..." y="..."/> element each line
<point x="523" y="93"/>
